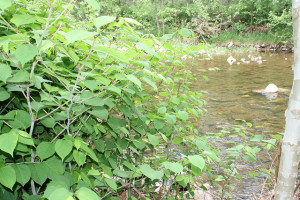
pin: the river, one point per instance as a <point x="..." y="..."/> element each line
<point x="230" y="96"/>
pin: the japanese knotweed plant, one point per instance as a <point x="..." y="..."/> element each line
<point x="94" y="112"/>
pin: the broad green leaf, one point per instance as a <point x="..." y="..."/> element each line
<point x="183" y="115"/>
<point x="162" y="110"/>
<point x="154" y="140"/>
<point x="185" y="32"/>
<point x="8" y="176"/>
<point x="197" y="160"/>
<point x="100" y="112"/>
<point x="159" y="123"/>
<point x="167" y="37"/>
<point x="114" y="89"/>
<point x="94" y="4"/>
<point x="61" y="194"/>
<point x="45" y="150"/>
<point x="103" y="20"/>
<point x="5" y="4"/>
<point x="37" y="105"/>
<point x="86" y="194"/>
<point x="171" y="118"/>
<point x="22" y="120"/>
<point x="54" y="166"/>
<point x="23" y="19"/>
<point x="114" y="53"/>
<point x="8" y="142"/>
<point x="147" y="49"/>
<point x="5" y="72"/>
<point x="19" y="77"/>
<point x="91" y="84"/>
<point x="212" y="155"/>
<point x="94" y="172"/>
<point x="25" y="53"/>
<point x="89" y="152"/>
<point x="132" y="21"/>
<point x="76" y="35"/>
<point x="63" y="147"/>
<point x="174" y="167"/>
<point x="38" y="172"/>
<point x="4" y="95"/>
<point x="48" y="122"/>
<point x="79" y="157"/>
<point x="23" y="173"/>
<point x="123" y="174"/>
<point x="177" y="140"/>
<point x="150" y="82"/>
<point x="99" y="144"/>
<point x="25" y="138"/>
<point x="111" y="183"/>
<point x="151" y="173"/>
<point x="134" y="79"/>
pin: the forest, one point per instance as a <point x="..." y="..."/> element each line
<point x="103" y="99"/>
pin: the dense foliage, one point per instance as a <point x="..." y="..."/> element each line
<point x="211" y="16"/>
<point x="94" y="109"/>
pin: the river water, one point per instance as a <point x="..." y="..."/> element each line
<point x="230" y="96"/>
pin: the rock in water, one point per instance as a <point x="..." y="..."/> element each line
<point x="271" y="88"/>
<point x="231" y="60"/>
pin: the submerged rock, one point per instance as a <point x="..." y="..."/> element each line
<point x="271" y="88"/>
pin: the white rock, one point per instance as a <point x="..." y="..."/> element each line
<point x="231" y="60"/>
<point x="271" y="88"/>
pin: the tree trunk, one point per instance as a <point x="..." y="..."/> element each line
<point x="290" y="155"/>
<point x="156" y="16"/>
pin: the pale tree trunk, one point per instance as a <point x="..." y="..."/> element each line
<point x="290" y="155"/>
<point x="156" y="16"/>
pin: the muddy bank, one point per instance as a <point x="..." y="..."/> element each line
<point x="261" y="47"/>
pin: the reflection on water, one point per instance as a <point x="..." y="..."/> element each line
<point x="230" y="96"/>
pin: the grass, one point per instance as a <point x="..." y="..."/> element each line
<point x="249" y="38"/>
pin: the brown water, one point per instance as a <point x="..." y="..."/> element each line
<point x="230" y="96"/>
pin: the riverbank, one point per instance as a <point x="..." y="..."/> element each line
<point x="260" y="41"/>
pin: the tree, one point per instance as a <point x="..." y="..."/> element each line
<point x="290" y="155"/>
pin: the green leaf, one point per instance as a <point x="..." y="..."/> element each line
<point x="111" y="183"/>
<point x="174" y="167"/>
<point x="114" y="89"/>
<point x="38" y="172"/>
<point x="132" y="21"/>
<point x="185" y="32"/>
<point x="20" y="76"/>
<point x="23" y="173"/>
<point x="159" y="123"/>
<point x="4" y="95"/>
<point x="25" y="53"/>
<point x="61" y="193"/>
<point x="183" y="115"/>
<point x="100" y="112"/>
<point x="134" y="79"/>
<point x="114" y="53"/>
<point x="54" y="167"/>
<point x="147" y="49"/>
<point x="8" y="142"/>
<point x="177" y="140"/>
<point x="37" y="105"/>
<point x="5" y="72"/>
<point x="154" y="140"/>
<point x="63" y="147"/>
<point x="89" y="152"/>
<point x="91" y="84"/>
<point x="94" y="4"/>
<point x="150" y="82"/>
<point x="151" y="173"/>
<point x="45" y="150"/>
<point x="86" y="194"/>
<point x="76" y="35"/>
<point x="8" y="176"/>
<point x="171" y="118"/>
<point x="79" y="157"/>
<point x="25" y="138"/>
<point x="162" y="110"/>
<point x="5" y="4"/>
<point x="197" y="160"/>
<point x="103" y="20"/>
<point x="22" y="120"/>
<point x="23" y="19"/>
<point x="48" y="122"/>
